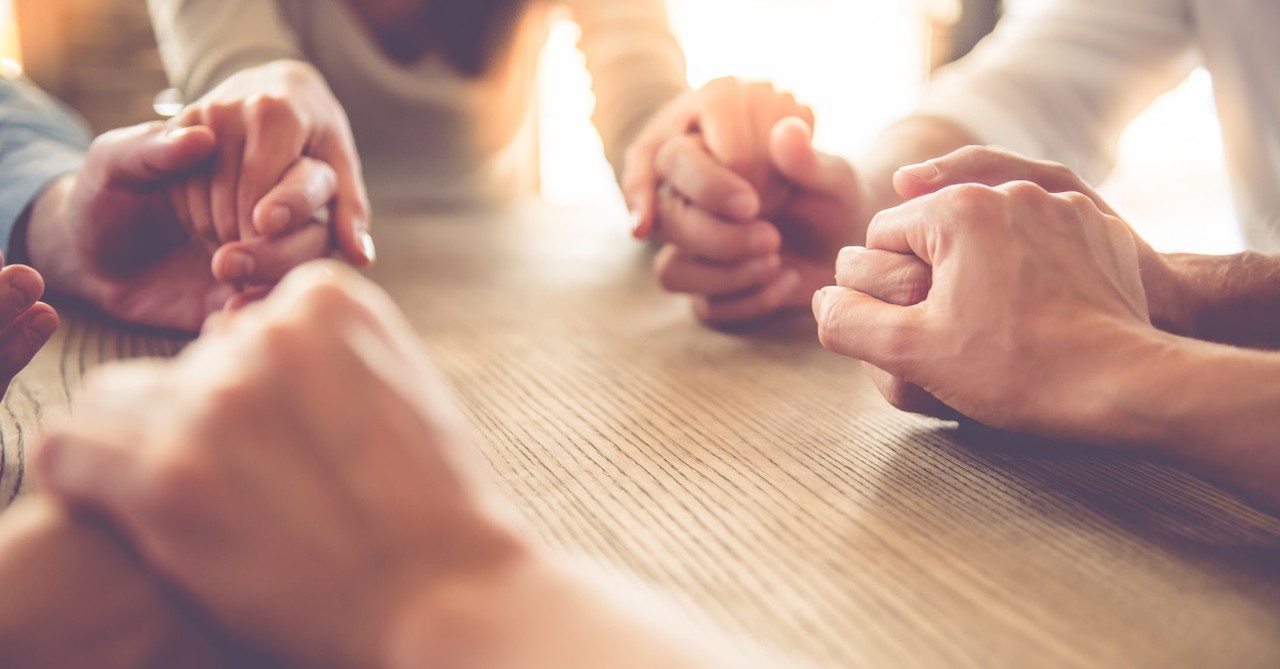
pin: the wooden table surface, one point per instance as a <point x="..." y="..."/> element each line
<point x="761" y="479"/>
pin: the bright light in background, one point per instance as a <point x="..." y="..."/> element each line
<point x="858" y="64"/>
<point x="10" y="52"/>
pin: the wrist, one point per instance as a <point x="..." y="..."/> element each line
<point x="46" y="242"/>
<point x="466" y="619"/>
<point x="1203" y="406"/>
<point x="1166" y="281"/>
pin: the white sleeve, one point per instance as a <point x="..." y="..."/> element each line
<point x="1062" y="83"/>
<point x="202" y="42"/>
<point x="636" y="66"/>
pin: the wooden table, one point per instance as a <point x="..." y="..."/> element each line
<point x="762" y="480"/>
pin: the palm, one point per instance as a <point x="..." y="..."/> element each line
<point x="145" y="268"/>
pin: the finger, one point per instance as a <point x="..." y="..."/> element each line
<point x="860" y="326"/>
<point x="989" y="166"/>
<point x="274" y="140"/>
<point x="351" y="209"/>
<point x="793" y="155"/>
<point x="268" y="259"/>
<point x="895" y="278"/>
<point x="20" y="287"/>
<point x="725" y="120"/>
<point x="907" y="396"/>
<point x="756" y="305"/>
<point x="148" y="154"/>
<point x="640" y="173"/>
<point x="306" y="187"/>
<point x="239" y="301"/>
<point x="22" y="339"/>
<point x="918" y="227"/>
<point x="198" y="211"/>
<point x="685" y="163"/>
<point x="679" y="272"/>
<point x="700" y="233"/>
<point x="224" y="183"/>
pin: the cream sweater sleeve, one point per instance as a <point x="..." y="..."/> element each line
<point x="202" y="42"/>
<point x="636" y="66"/>
<point x="1062" y="83"/>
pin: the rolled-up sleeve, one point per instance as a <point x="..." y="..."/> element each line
<point x="202" y="42"/>
<point x="636" y="66"/>
<point x="1062" y="83"/>
<point x="40" y="140"/>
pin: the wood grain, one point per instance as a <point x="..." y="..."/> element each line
<point x="760" y="479"/>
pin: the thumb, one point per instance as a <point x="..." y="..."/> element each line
<point x="143" y="155"/>
<point x="793" y="155"/>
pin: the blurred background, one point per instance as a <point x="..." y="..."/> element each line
<point x="859" y="63"/>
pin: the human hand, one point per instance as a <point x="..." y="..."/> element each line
<point x="266" y="119"/>
<point x="712" y="145"/>
<point x="303" y="504"/>
<point x="76" y="597"/>
<point x="740" y="271"/>
<point x="114" y="234"/>
<point x="1033" y="301"/>
<point x="25" y="323"/>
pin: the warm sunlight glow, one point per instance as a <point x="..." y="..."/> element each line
<point x="10" y="53"/>
<point x="859" y="64"/>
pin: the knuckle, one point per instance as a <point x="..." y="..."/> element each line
<point x="175" y="476"/>
<point x="1025" y="190"/>
<point x="272" y="110"/>
<point x="970" y="202"/>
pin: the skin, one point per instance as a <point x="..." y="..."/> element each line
<point x="1055" y="338"/>
<point x="230" y="470"/>
<point x="25" y="322"/>
<point x="748" y="214"/>
<point x="114" y="235"/>
<point x="267" y="119"/>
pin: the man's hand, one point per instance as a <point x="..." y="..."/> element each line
<point x="25" y="323"/>
<point x="266" y="119"/>
<point x="115" y="235"/>
<point x="75" y="596"/>
<point x="746" y="270"/>
<point x="305" y="505"/>
<point x="1032" y="303"/>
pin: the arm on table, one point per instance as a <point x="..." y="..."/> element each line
<point x="75" y="596"/>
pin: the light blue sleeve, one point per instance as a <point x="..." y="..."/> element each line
<point x="40" y="140"/>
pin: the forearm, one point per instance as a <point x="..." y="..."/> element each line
<point x="202" y="42"/>
<point x="1211" y="408"/>
<point x="74" y="597"/>
<point x="1229" y="299"/>
<point x="537" y="614"/>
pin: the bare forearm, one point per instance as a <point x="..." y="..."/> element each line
<point x="1229" y="299"/>
<point x="1212" y="408"/>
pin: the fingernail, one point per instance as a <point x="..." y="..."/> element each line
<point x="926" y="171"/>
<point x="176" y="134"/>
<point x="40" y="329"/>
<point x="279" y="218"/>
<point x="25" y="289"/>
<point x="743" y="205"/>
<point x="633" y="219"/>
<point x="847" y="253"/>
<point x="367" y="247"/>
<point x="240" y="264"/>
